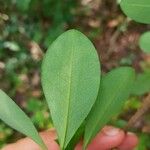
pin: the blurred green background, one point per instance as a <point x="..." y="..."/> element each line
<point x="27" y="28"/>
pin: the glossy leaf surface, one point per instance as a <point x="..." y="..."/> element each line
<point x="114" y="90"/>
<point x="70" y="79"/>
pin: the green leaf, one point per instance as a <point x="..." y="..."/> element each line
<point x="138" y="10"/>
<point x="114" y="90"/>
<point x="142" y="84"/>
<point x="145" y="42"/>
<point x="70" y="79"/>
<point x="13" y="116"/>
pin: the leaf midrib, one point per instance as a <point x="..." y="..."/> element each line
<point x="69" y="95"/>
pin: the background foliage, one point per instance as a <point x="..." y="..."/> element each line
<point x="28" y="27"/>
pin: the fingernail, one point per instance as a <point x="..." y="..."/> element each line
<point x="111" y="131"/>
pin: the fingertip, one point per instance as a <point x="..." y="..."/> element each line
<point x="110" y="137"/>
<point x="130" y="142"/>
<point x="48" y="137"/>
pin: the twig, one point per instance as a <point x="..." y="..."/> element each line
<point x="144" y="108"/>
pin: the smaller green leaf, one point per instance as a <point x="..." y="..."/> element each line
<point x="13" y="116"/>
<point x="141" y="84"/>
<point x="138" y="10"/>
<point x="144" y="42"/>
<point x="114" y="90"/>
